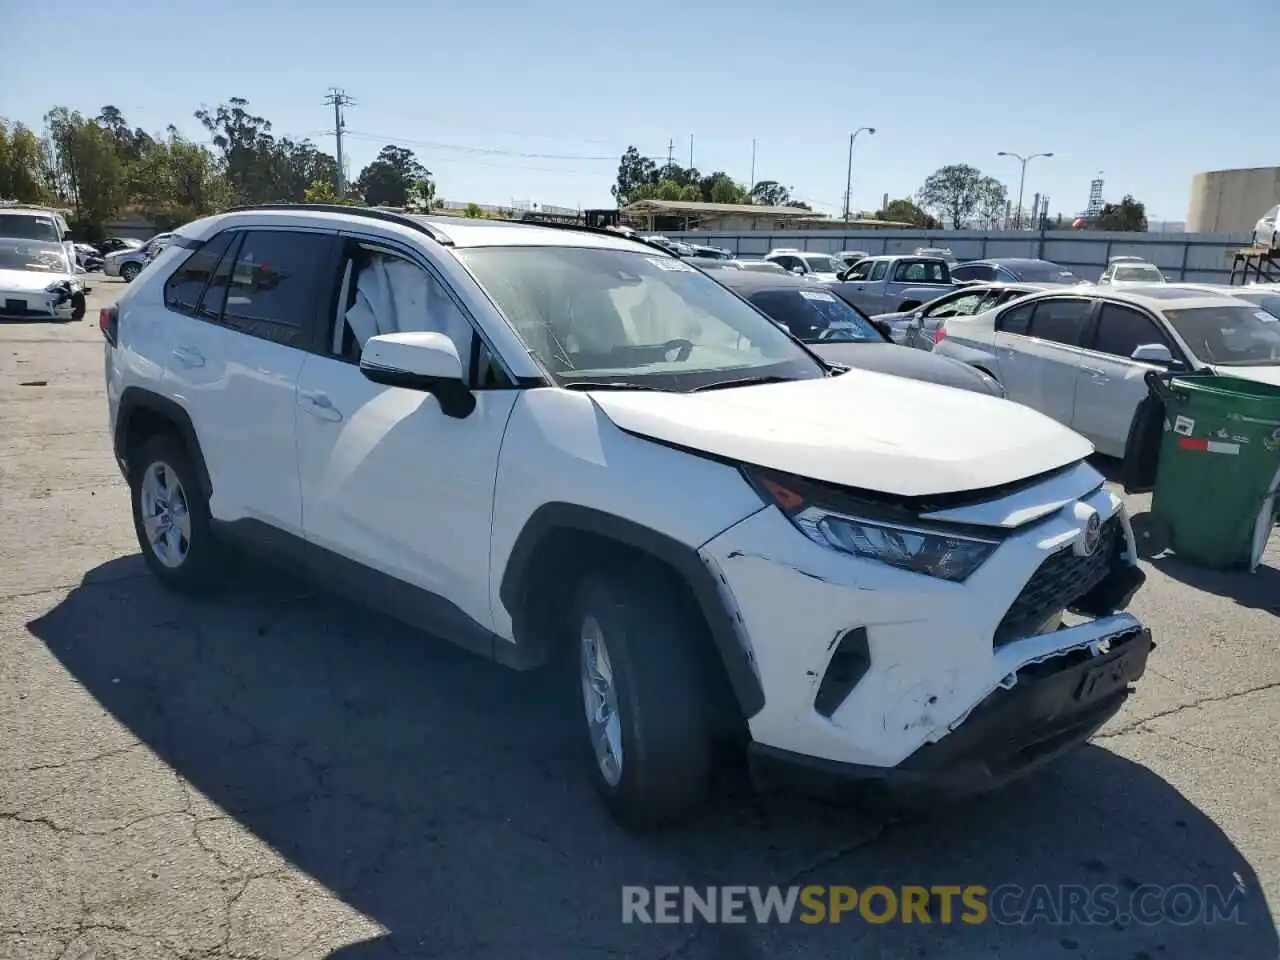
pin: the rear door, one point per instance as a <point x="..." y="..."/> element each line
<point x="1039" y="355"/>
<point x="1110" y="384"/>
<point x="238" y="344"/>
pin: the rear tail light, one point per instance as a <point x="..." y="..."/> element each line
<point x="108" y="322"/>
<point x="939" y="333"/>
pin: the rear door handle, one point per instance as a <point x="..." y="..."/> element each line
<point x="1094" y="371"/>
<point x="188" y="356"/>
<point x="318" y="404"/>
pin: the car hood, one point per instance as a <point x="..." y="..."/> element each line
<point x="121" y="254"/>
<point x="1259" y="374"/>
<point x="861" y="429"/>
<point x="904" y="362"/>
<point x="29" y="281"/>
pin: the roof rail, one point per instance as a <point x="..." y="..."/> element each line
<point x="599" y="231"/>
<point x="387" y="216"/>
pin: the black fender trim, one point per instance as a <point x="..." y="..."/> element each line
<point x="683" y="559"/>
<point x="135" y="399"/>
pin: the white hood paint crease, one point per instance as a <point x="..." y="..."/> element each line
<point x="860" y="429"/>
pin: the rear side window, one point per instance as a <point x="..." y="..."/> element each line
<point x="1060" y="321"/>
<point x="274" y="283"/>
<point x="185" y="285"/>
<point x="1016" y="320"/>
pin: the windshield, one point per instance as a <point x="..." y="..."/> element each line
<point x="1146" y="273"/>
<point x="28" y="227"/>
<point x="815" y="316"/>
<point x="35" y="255"/>
<point x="1044" y="273"/>
<point x="619" y="316"/>
<point x="1229" y="335"/>
<point x="1269" y="302"/>
<point x="822" y="264"/>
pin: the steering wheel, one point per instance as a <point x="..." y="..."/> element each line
<point x="682" y="346"/>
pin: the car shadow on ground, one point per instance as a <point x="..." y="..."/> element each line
<point x="446" y="798"/>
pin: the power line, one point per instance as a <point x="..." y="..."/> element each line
<point x="339" y="99"/>
<point x="485" y="151"/>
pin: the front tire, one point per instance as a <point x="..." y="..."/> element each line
<point x="78" y="306"/>
<point x="129" y="272"/>
<point x="644" y="696"/>
<point x="171" y="517"/>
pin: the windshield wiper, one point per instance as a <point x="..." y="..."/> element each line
<point x="610" y="385"/>
<point x="744" y="382"/>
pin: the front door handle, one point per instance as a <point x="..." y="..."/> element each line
<point x="318" y="404"/>
<point x="1094" y="371"/>
<point x="188" y="356"/>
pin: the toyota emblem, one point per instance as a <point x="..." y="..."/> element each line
<point x="1092" y="535"/>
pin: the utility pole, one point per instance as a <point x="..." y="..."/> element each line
<point x="752" y="185"/>
<point x="1022" y="179"/>
<point x="691" y="151"/>
<point x="339" y="99"/>
<point x="848" y="180"/>
<point x="671" y="148"/>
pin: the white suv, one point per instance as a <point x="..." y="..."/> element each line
<point x="532" y="440"/>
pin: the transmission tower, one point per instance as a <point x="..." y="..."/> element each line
<point x="1095" y="196"/>
<point x="339" y="99"/>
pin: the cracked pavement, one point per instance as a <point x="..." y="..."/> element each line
<point x="275" y="773"/>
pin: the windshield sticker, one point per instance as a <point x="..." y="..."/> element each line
<point x="673" y="265"/>
<point x="1264" y="316"/>
<point x="818" y="295"/>
<point x="1184" y="426"/>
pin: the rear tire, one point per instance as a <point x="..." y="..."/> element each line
<point x="171" y="517"/>
<point x="129" y="272"/>
<point x="645" y="698"/>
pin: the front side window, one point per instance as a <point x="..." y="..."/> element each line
<point x="618" y="316"/>
<point x="1121" y="330"/>
<point x="862" y="270"/>
<point x="879" y="270"/>
<point x="272" y="284"/>
<point x="1230" y="334"/>
<point x="382" y="292"/>
<point x="815" y="316"/>
<point x="1060" y="321"/>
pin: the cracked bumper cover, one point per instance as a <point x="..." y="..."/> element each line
<point x="1054" y="706"/>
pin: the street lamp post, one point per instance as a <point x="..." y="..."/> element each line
<point x="1022" y="179"/>
<point x="848" y="181"/>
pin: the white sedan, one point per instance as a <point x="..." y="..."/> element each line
<point x="38" y="281"/>
<point x="1080" y="356"/>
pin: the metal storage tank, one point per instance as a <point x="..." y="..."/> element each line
<point x="1231" y="201"/>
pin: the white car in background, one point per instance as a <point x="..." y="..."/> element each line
<point x="1266" y="232"/>
<point x="821" y="267"/>
<point x="38" y="281"/>
<point x="1080" y="356"/>
<point x="1126" y="270"/>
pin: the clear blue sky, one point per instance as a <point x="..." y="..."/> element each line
<point x="1148" y="91"/>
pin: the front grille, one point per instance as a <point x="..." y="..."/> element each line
<point x="1061" y="580"/>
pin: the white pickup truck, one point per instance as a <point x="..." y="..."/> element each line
<point x="889" y="284"/>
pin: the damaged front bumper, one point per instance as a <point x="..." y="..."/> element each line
<point x="877" y="673"/>
<point x="1051" y="707"/>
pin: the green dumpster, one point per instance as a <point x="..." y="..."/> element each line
<point x="1219" y="468"/>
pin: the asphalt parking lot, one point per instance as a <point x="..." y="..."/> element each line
<point x="275" y="773"/>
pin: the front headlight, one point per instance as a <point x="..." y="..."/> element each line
<point x="925" y="549"/>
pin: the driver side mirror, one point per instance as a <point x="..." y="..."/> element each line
<point x="1152" y="353"/>
<point x="422" y="361"/>
<point x="884" y="329"/>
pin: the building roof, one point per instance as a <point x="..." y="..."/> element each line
<point x="678" y="207"/>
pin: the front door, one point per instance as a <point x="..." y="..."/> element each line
<point x="1038" y="352"/>
<point x="388" y="480"/>
<point x="1110" y="384"/>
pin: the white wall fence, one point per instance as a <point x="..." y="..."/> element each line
<point x="1192" y="257"/>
